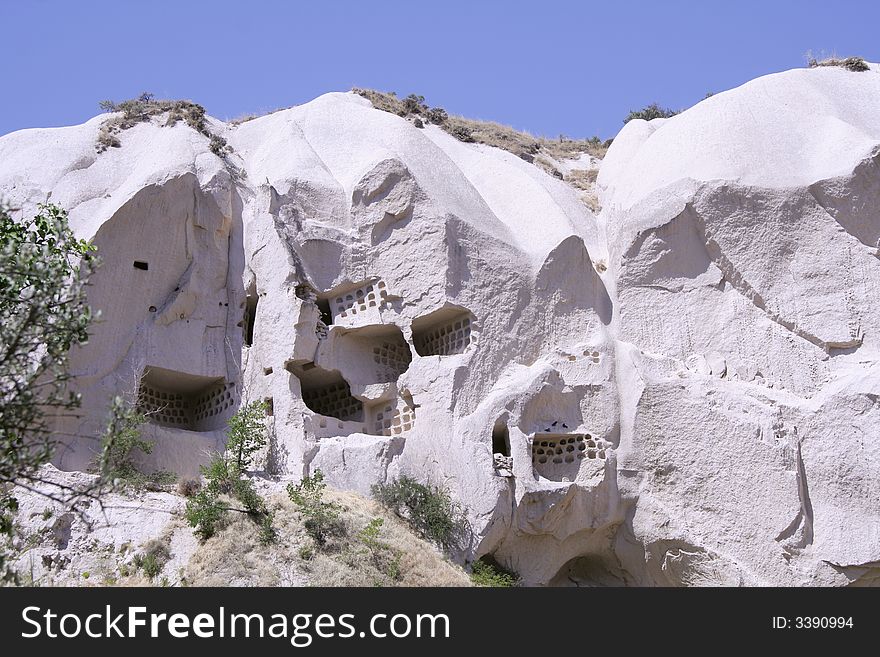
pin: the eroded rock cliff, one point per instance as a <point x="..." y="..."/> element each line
<point x="682" y="389"/>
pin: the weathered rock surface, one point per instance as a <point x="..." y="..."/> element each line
<point x="682" y="390"/>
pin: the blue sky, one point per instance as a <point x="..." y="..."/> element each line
<point x="550" y="67"/>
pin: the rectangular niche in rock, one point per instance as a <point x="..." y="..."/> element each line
<point x="185" y="401"/>
<point x="325" y="392"/>
<point x="558" y="456"/>
<point x="444" y="332"/>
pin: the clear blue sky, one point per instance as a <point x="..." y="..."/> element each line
<point x="547" y="66"/>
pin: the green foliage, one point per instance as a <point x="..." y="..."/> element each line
<point x="225" y="478"/>
<point x="120" y="440"/>
<point x="322" y="519"/>
<point x="218" y="474"/>
<point x="44" y="312"/>
<point x="652" y="111"/>
<point x="156" y="554"/>
<point x="8" y="509"/>
<point x="246" y="435"/>
<point x="205" y="513"/>
<point x="383" y="557"/>
<point x="267" y="533"/>
<point x="369" y="535"/>
<point x="428" y="509"/>
<point x="488" y="573"/>
<point x="121" y="437"/>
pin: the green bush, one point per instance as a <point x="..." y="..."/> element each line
<point x="225" y="478"/>
<point x="246" y="435"/>
<point x="322" y="519"/>
<point x="383" y="557"/>
<point x="122" y="437"/>
<point x="489" y="573"/>
<point x="652" y="111"/>
<point x="153" y="559"/>
<point x="428" y="509"/>
<point x="205" y="513"/>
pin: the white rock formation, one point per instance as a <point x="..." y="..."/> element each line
<point x="682" y="390"/>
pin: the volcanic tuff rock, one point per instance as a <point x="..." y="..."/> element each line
<point x="681" y="390"/>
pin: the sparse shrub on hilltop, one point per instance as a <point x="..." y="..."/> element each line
<point x="651" y="112"/>
<point x="855" y="64"/>
<point x="144" y="108"/>
<point x="520" y="143"/>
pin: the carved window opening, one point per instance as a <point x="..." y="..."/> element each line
<point x="325" y="392"/>
<point x="443" y="333"/>
<point x="185" y="401"/>
<point x="501" y="438"/>
<point x="250" y="318"/>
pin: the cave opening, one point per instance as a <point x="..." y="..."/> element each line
<point x="325" y="392"/>
<point x="501" y="438"/>
<point x="250" y="318"/>
<point x="444" y="332"/>
<point x="184" y="401"/>
<point x="324" y="307"/>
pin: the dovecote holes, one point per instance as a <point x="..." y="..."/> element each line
<point x="334" y="400"/>
<point x="448" y="334"/>
<point x="349" y="304"/>
<point x="555" y="456"/>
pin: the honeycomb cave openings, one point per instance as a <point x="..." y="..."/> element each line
<point x="185" y="401"/>
<point x="374" y="354"/>
<point x="358" y="300"/>
<point x="444" y="332"/>
<point x="558" y="456"/>
<point x="325" y="392"/>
